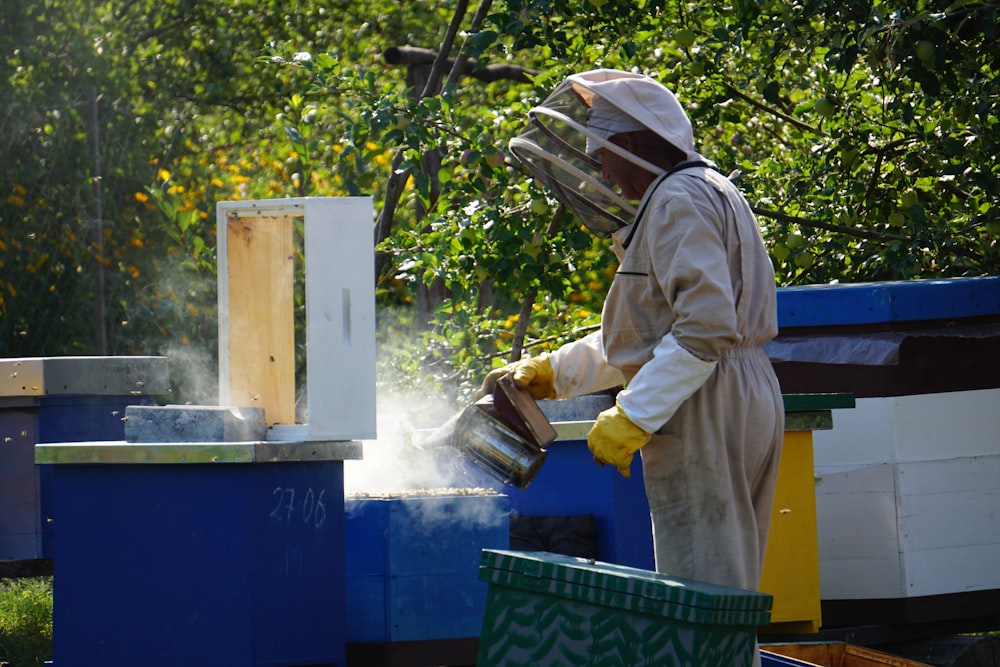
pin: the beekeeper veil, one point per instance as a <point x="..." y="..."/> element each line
<point x="559" y="145"/>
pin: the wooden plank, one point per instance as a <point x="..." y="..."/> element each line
<point x="947" y="425"/>
<point x="858" y="532"/>
<point x="261" y="340"/>
<point x="814" y="420"/>
<point x="796" y="402"/>
<point x="340" y="314"/>
<point x="791" y="562"/>
<point x="864" y="435"/>
<point x="949" y="536"/>
<point x="837" y="654"/>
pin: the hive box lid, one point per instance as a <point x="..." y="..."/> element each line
<point x="627" y="588"/>
<point x="98" y="376"/>
<point x="888" y="302"/>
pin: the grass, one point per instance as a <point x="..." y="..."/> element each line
<point x="25" y="621"/>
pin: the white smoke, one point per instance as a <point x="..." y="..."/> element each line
<point x="396" y="464"/>
<point x="194" y="375"/>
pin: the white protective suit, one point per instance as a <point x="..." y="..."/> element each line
<point x="691" y="305"/>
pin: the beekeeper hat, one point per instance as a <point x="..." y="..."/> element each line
<point x="606" y="120"/>
<point x="558" y="143"/>
<point x="638" y="99"/>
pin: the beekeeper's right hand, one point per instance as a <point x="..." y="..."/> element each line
<point x="533" y="374"/>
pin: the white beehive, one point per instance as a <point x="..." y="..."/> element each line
<point x="906" y="497"/>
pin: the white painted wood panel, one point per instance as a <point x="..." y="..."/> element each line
<point x="912" y="428"/>
<point x="860" y="435"/>
<point x="950" y="524"/>
<point x="960" y="569"/>
<point x="897" y="530"/>
<point x="858" y="532"/>
<point x="947" y="425"/>
<point x="340" y="317"/>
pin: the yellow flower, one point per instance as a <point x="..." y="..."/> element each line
<point x="141" y="197"/>
<point x="20" y="189"/>
<point x="163" y="175"/>
<point x="136" y="242"/>
<point x="15" y="200"/>
<point x="216" y="183"/>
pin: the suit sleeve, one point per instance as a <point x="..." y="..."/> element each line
<point x="580" y="368"/>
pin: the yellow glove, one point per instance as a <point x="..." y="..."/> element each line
<point x="615" y="439"/>
<point x="533" y="374"/>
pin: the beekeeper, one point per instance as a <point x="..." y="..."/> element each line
<point x="691" y="304"/>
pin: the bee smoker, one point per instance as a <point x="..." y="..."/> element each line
<point x="503" y="433"/>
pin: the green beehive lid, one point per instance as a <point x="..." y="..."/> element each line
<point x="627" y="588"/>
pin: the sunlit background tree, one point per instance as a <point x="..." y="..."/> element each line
<point x="863" y="133"/>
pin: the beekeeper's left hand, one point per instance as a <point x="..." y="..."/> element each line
<point x="533" y="374"/>
<point x="615" y="439"/>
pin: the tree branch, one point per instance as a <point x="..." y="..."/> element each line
<point x="455" y="68"/>
<point x="524" y="316"/>
<point x="383" y="225"/>
<point x="433" y="81"/>
<point x="733" y="90"/>
<point x="840" y="229"/>
<point x="397" y="179"/>
<point x="414" y="55"/>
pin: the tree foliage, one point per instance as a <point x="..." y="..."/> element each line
<point x="863" y="133"/>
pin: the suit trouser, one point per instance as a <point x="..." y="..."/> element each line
<point x="710" y="474"/>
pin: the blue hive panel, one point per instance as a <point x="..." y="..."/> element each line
<point x="888" y="302"/>
<point x="412" y="564"/>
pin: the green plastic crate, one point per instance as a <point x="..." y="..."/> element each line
<point x="549" y="609"/>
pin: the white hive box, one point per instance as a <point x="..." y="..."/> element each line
<point x="907" y="497"/>
<point x="256" y="314"/>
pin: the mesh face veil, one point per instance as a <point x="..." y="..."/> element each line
<point x="553" y="147"/>
<point x="559" y="144"/>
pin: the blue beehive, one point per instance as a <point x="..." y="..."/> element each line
<point x="197" y="554"/>
<point x="412" y="564"/>
<point x="59" y="399"/>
